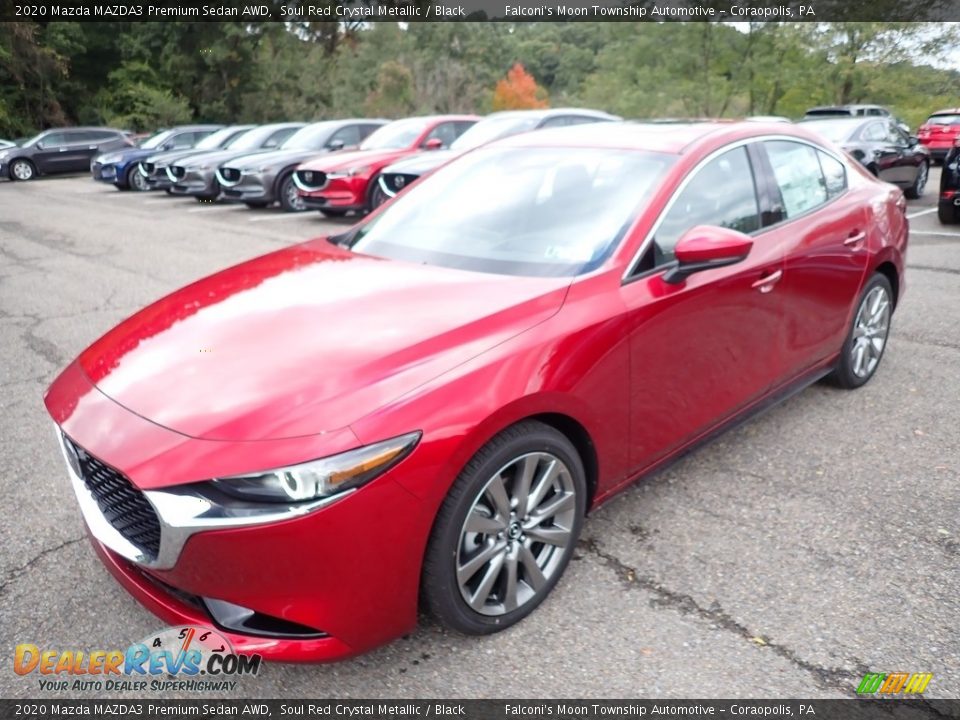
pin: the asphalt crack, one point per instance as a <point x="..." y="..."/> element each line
<point x="827" y="678"/>
<point x="932" y="268"/>
<point x="17" y="572"/>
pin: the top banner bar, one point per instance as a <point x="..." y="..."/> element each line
<point x="253" y="11"/>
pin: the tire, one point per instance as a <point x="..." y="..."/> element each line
<point x="948" y="214"/>
<point x="22" y="170"/>
<point x="136" y="181"/>
<point x="290" y="201"/>
<point x="477" y="562"/>
<point x="378" y="197"/>
<point x="915" y="191"/>
<point x="870" y="329"/>
<point x="372" y="188"/>
<point x="256" y="204"/>
<point x="334" y="213"/>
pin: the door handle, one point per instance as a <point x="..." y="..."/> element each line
<point x="855" y="240"/>
<point x="767" y="282"/>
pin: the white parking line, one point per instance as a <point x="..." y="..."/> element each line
<point x="214" y="208"/>
<point x="930" y="232"/>
<point x="158" y="201"/>
<point x="279" y="216"/>
<point x="911" y="216"/>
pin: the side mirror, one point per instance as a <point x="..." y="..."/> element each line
<point x="433" y="144"/>
<point x="705" y="247"/>
<point x="41" y="145"/>
<point x="335" y="145"/>
<point x="168" y="145"/>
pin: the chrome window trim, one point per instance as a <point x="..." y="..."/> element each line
<point x="182" y="512"/>
<point x="628" y="274"/>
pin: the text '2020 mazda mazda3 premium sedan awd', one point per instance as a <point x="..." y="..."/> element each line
<point x="300" y="448"/>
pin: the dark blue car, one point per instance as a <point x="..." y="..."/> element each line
<point x="121" y="167"/>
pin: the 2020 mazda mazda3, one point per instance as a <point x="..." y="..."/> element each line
<point x="299" y="448"/>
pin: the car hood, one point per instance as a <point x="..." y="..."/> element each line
<point x="421" y="163"/>
<point x="169" y="156"/>
<point x="306" y="340"/>
<point x="354" y="158"/>
<point x="274" y="159"/>
<point x="212" y="158"/>
<point x="126" y="156"/>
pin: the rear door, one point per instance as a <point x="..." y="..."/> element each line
<point x="823" y="226"/>
<point x="48" y="156"/>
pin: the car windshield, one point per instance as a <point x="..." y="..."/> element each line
<point x="833" y="130"/>
<point x="253" y="139"/>
<point x="943" y="120"/>
<point x="518" y="211"/>
<point x="156" y="140"/>
<point x="215" y="140"/>
<point x="396" y="136"/>
<point x="492" y="129"/>
<point x="311" y="137"/>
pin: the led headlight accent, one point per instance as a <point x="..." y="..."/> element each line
<point x="321" y="478"/>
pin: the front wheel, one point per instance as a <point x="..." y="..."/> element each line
<point x="290" y="199"/>
<point x="136" y="180"/>
<point x="378" y="197"/>
<point x="919" y="182"/>
<point x="22" y="170"/>
<point x="867" y="339"/>
<point x="506" y="530"/>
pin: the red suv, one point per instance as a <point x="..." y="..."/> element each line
<point x="939" y="132"/>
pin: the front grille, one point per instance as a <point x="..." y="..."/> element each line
<point x="313" y="179"/>
<point x="178" y="171"/>
<point x="148" y="167"/>
<point x="124" y="507"/>
<point x="398" y="181"/>
<point x="230" y="174"/>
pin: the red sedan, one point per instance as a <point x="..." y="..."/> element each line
<point x="298" y="448"/>
<point x="337" y="185"/>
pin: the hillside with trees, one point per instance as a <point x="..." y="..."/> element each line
<point x="144" y="75"/>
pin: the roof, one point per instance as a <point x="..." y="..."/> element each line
<point x="946" y="111"/>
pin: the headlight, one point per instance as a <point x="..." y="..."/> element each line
<point x="108" y="159"/>
<point x="3" y="154"/>
<point x="349" y="172"/>
<point x="321" y="478"/>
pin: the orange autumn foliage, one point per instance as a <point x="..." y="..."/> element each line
<point x="519" y="91"/>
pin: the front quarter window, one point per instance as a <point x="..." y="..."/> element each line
<point x="543" y="211"/>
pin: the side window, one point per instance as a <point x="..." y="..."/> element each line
<point x="279" y="137"/>
<point x="798" y="175"/>
<point x="722" y="193"/>
<point x="54" y="140"/>
<point x="874" y="132"/>
<point x="834" y="173"/>
<point x="558" y="121"/>
<point x="366" y="130"/>
<point x="896" y="136"/>
<point x="349" y="136"/>
<point x="181" y="141"/>
<point x="462" y="126"/>
<point x="445" y="132"/>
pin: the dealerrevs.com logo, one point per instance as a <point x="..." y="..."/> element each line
<point x="187" y="658"/>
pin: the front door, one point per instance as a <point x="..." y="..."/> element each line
<point x="704" y="348"/>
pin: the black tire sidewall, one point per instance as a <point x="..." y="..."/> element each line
<point x="843" y="374"/>
<point x="440" y="590"/>
<point x="132" y="184"/>
<point x="282" y="188"/>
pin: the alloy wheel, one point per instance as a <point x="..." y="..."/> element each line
<point x="921" y="179"/>
<point x="22" y="170"/>
<point x="294" y="201"/>
<point x="870" y="331"/>
<point x="137" y="180"/>
<point x="513" y="539"/>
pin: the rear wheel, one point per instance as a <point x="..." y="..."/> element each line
<point x="949" y="214"/>
<point x="919" y="183"/>
<point x="22" y="170"/>
<point x="290" y="199"/>
<point x="505" y="531"/>
<point x="867" y="338"/>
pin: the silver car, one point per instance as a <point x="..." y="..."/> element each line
<point x="261" y="179"/>
<point x="154" y="168"/>
<point x="196" y="174"/>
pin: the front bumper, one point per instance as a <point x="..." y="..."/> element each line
<point x="104" y="173"/>
<point x="157" y="179"/>
<point x="197" y="183"/>
<point x="346" y="573"/>
<point x="250" y="187"/>
<point x="337" y="194"/>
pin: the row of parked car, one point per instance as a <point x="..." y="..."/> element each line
<point x="355" y="165"/>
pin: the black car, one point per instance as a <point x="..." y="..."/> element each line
<point x="60" y="151"/>
<point x="948" y="210"/>
<point x="882" y="147"/>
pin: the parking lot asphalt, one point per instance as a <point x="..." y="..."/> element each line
<point x="817" y="542"/>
